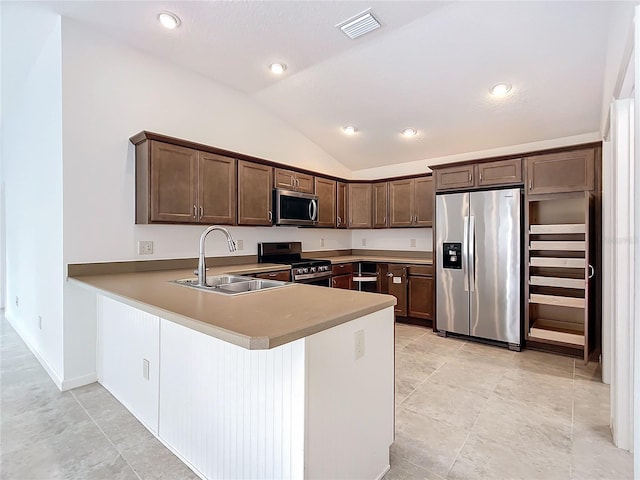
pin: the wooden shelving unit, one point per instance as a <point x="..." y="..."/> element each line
<point x="558" y="268"/>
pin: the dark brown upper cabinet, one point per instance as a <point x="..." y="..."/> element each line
<point x="176" y="184"/>
<point x="291" y="180"/>
<point x="255" y="183"/>
<point x="453" y="178"/>
<point x="481" y="174"/>
<point x="216" y="188"/>
<point x="360" y="203"/>
<point x="380" y="205"/>
<point x="424" y="202"/>
<point x="561" y="172"/>
<point x="326" y="192"/>
<point x="502" y="172"/>
<point x="411" y="202"/>
<point x="342" y="201"/>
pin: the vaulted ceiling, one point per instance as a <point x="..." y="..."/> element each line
<point x="429" y="66"/>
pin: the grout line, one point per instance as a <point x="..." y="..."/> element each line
<point x="105" y="435"/>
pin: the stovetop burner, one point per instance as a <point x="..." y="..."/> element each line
<point x="290" y="253"/>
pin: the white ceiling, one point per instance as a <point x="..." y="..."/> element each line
<point x="429" y="67"/>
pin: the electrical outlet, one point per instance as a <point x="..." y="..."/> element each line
<point x="145" y="247"/>
<point x="412" y="242"/>
<point x="17" y="302"/>
<point x="239" y="245"/>
<point x="364" y="242"/>
<point x="145" y="369"/>
<point x="359" y="344"/>
<point x="40" y="322"/>
<point x="322" y="242"/>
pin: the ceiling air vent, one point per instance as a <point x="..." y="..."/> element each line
<point x="359" y="25"/>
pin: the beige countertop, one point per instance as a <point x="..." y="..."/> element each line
<point x="376" y="258"/>
<point x="257" y="321"/>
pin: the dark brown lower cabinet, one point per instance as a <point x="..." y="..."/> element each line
<point x="412" y="285"/>
<point x="281" y="275"/>
<point x="397" y="286"/>
<point x="420" y="297"/>
<point x="342" y="281"/>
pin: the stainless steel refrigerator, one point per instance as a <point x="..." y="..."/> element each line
<point x="478" y="243"/>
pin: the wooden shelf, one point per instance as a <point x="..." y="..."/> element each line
<point x="575" y="246"/>
<point x="558" y="228"/>
<point x="557" y="300"/>
<point x="557" y="262"/>
<point x="558" y="331"/>
<point x="541" y="281"/>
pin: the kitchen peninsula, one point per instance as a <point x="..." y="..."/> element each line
<point x="289" y="382"/>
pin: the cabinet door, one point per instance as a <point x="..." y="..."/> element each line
<point x="423" y="202"/>
<point x="451" y="178"/>
<point x="561" y="172"/>
<point x="304" y="183"/>
<point x="284" y="179"/>
<point x="421" y="297"/>
<point x="342" y="281"/>
<point x="174" y="183"/>
<point x="397" y="286"/>
<point x="401" y="198"/>
<point x="216" y="189"/>
<point x="281" y="276"/>
<point x="360" y="205"/>
<point x="380" y="205"/>
<point x="326" y="192"/>
<point x="254" y="193"/>
<point x="341" y="205"/>
<point x="503" y="172"/>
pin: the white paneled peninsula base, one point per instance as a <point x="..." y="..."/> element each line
<point x="315" y="407"/>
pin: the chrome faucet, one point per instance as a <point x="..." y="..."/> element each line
<point x="202" y="267"/>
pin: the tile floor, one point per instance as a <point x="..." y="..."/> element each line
<point x="463" y="410"/>
<point x="467" y="410"/>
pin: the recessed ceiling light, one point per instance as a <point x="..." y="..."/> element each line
<point x="169" y="20"/>
<point x="500" y="90"/>
<point x="409" y="132"/>
<point x="277" y="68"/>
<point x="349" y="130"/>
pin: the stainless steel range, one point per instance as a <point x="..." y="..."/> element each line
<point x="303" y="270"/>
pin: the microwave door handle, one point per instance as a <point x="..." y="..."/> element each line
<point x="313" y="210"/>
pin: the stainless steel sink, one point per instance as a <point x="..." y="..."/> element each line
<point x="231" y="284"/>
<point x="251" y="286"/>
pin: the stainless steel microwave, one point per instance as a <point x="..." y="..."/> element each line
<point x="295" y="208"/>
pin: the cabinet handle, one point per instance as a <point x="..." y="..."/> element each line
<point x="389" y="274"/>
<point x="592" y="271"/>
<point x="480" y="176"/>
<point x="195" y="211"/>
<point x="270" y="215"/>
<point x="530" y="184"/>
<point x="339" y="221"/>
<point x="201" y="212"/>
<point x="469" y="177"/>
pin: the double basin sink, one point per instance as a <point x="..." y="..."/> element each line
<point x="231" y="284"/>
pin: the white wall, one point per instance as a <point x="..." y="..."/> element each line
<point x="112" y="92"/>
<point x="394" y="239"/>
<point x="422" y="166"/>
<point x="32" y="173"/>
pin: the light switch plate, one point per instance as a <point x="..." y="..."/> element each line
<point x="359" y="344"/>
<point x="145" y="369"/>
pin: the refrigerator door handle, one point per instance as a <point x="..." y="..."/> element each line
<point x="472" y="253"/>
<point x="465" y="253"/>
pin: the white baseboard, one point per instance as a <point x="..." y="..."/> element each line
<point x="62" y="384"/>
<point x="57" y="379"/>
<point x="79" y="381"/>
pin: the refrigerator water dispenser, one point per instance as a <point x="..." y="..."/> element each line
<point x="452" y="255"/>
